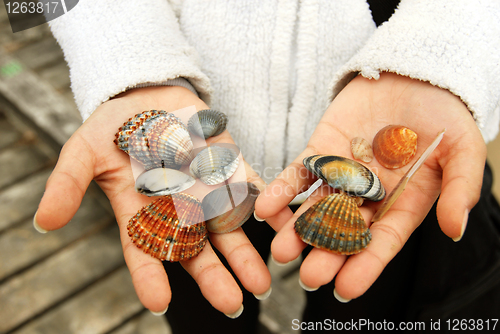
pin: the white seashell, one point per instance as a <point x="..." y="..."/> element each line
<point x="207" y="123"/>
<point x="162" y="182"/>
<point x="215" y="164"/>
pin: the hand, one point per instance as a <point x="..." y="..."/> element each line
<point x="455" y="170"/>
<point x="91" y="154"/>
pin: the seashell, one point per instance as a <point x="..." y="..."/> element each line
<point x="171" y="228"/>
<point x="207" y="123"/>
<point x="394" y="146"/>
<point x="346" y="175"/>
<point x="334" y="224"/>
<point x="229" y="207"/>
<point x="215" y="164"/>
<point x="156" y="138"/>
<point x="163" y="182"/>
<point x="361" y="149"/>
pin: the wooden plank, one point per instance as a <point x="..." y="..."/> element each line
<point x="57" y="75"/>
<point x="19" y="161"/>
<point x="41" y="53"/>
<point x="22" y="246"/>
<point x="145" y="322"/>
<point x="20" y="201"/>
<point x="100" y="308"/>
<point x="10" y="135"/>
<point x="37" y="100"/>
<point x="51" y="281"/>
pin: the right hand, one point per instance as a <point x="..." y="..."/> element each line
<point x="91" y="154"/>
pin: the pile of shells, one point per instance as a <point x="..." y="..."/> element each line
<point x="173" y="227"/>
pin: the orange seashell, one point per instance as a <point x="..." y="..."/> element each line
<point x="334" y="224"/>
<point x="171" y="228"/>
<point x="361" y="149"/>
<point x="394" y="146"/>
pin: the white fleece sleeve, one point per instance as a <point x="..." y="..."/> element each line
<point x="453" y="44"/>
<point x="114" y="45"/>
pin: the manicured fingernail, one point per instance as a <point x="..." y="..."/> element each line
<point x="305" y="287"/>
<point x="264" y="295"/>
<point x="38" y="227"/>
<point x="464" y="224"/>
<point x="277" y="262"/>
<point x="235" y="314"/>
<point x="340" y="298"/>
<point x="257" y="218"/>
<point x="160" y="313"/>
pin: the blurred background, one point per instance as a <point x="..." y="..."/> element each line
<point x="74" y="280"/>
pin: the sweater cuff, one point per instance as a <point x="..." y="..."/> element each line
<point x="173" y="82"/>
<point x="454" y="45"/>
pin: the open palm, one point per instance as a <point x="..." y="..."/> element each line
<point x="91" y="154"/>
<point x="454" y="170"/>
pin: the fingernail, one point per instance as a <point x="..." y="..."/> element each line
<point x="464" y="224"/>
<point x="264" y="295"/>
<point x="235" y="314"/>
<point x="277" y="262"/>
<point x="159" y="313"/>
<point x="257" y="218"/>
<point x="38" y="227"/>
<point x="340" y="298"/>
<point x="305" y="287"/>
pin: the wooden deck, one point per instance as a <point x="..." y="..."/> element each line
<point x="74" y="280"/>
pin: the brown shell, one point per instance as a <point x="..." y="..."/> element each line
<point x="334" y="224"/>
<point x="229" y="207"/>
<point x="171" y="228"/>
<point x="156" y="139"/>
<point x="394" y="146"/>
<point x="361" y="149"/>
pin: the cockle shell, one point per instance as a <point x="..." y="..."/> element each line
<point x="394" y="146"/>
<point x="207" y="123"/>
<point x="361" y="149"/>
<point x="346" y="175"/>
<point x="215" y="164"/>
<point x="334" y="224"/>
<point x="163" y="182"/>
<point x="171" y="228"/>
<point x="156" y="138"/>
<point x="229" y="207"/>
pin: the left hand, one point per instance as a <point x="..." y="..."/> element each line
<point x="454" y="170"/>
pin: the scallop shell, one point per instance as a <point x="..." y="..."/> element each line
<point x="394" y="146"/>
<point x="334" y="224"/>
<point x="163" y="182"/>
<point x="229" y="207"/>
<point x="207" y="123"/>
<point x="346" y="175"/>
<point x="171" y="228"/>
<point x="215" y="164"/>
<point x="361" y="149"/>
<point x="156" y="138"/>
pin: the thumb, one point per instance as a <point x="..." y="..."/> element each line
<point x="66" y="185"/>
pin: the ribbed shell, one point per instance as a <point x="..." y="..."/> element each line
<point x="156" y="138"/>
<point x="361" y="149"/>
<point x="394" y="146"/>
<point x="346" y="175"/>
<point x="215" y="164"/>
<point x="171" y="228"/>
<point x="207" y="123"/>
<point x="334" y="224"/>
<point x="229" y="207"/>
<point x="163" y="182"/>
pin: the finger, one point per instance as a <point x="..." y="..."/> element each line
<point x="67" y="184"/>
<point x="461" y="187"/>
<point x="244" y="260"/>
<point x="328" y="263"/>
<point x="216" y="283"/>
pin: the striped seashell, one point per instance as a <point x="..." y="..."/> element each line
<point x="156" y="138"/>
<point x="163" y="182"/>
<point x="395" y="146"/>
<point x="229" y="207"/>
<point x="215" y="164"/>
<point x="207" y="123"/>
<point x="346" y="175"/>
<point x="334" y="224"/>
<point x="361" y="149"/>
<point x="171" y="228"/>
